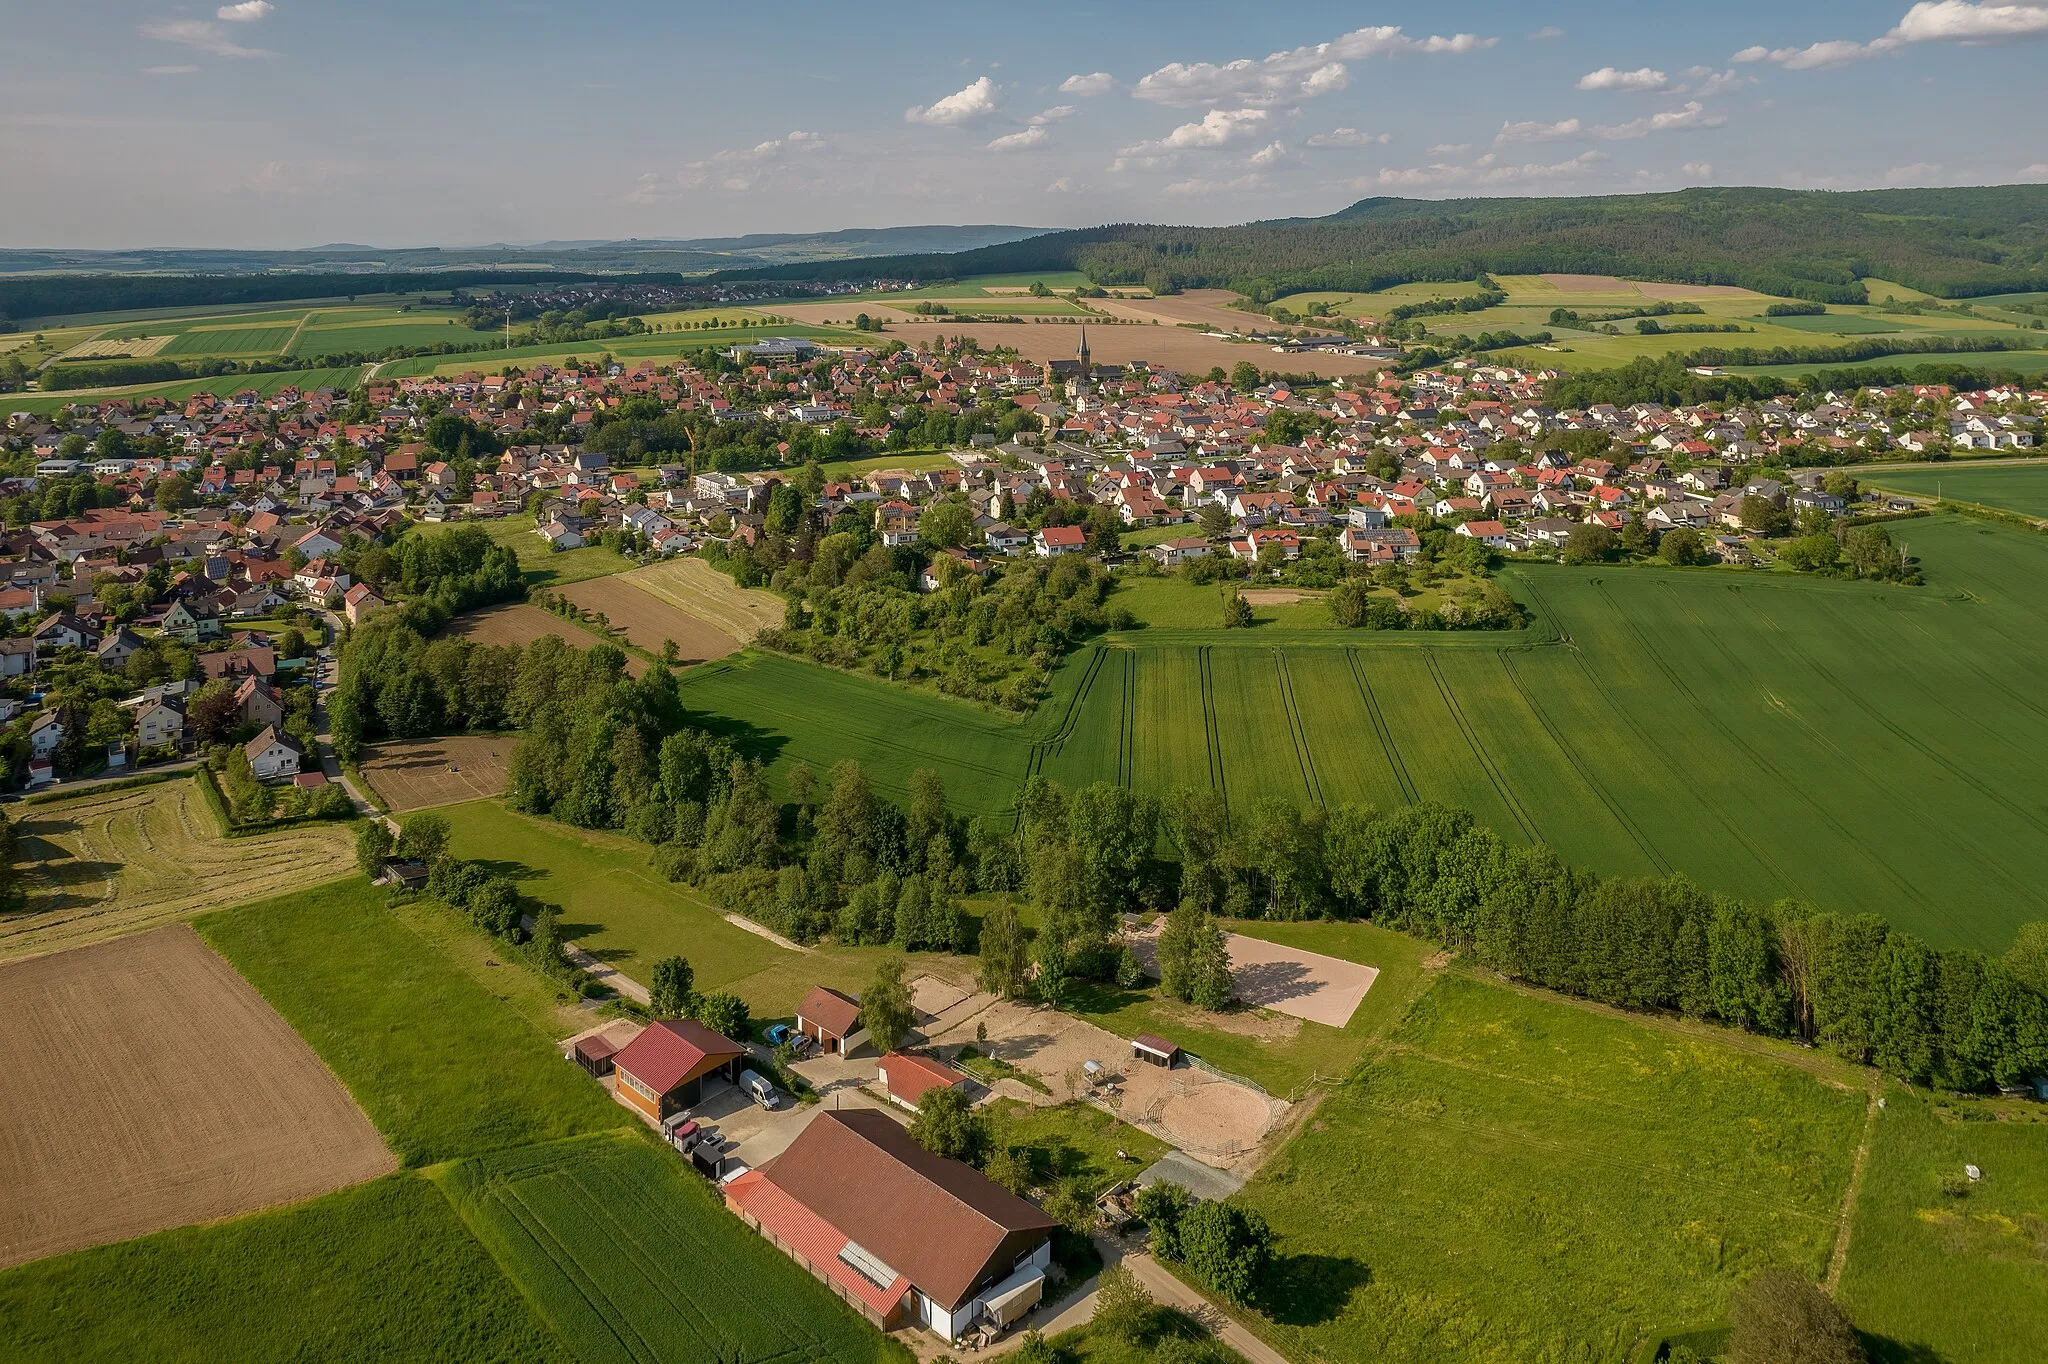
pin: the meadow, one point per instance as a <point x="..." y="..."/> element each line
<point x="661" y="347"/>
<point x="2021" y="488"/>
<point x="1521" y="1178"/>
<point x="177" y="390"/>
<point x="234" y="341"/>
<point x="631" y="1258"/>
<point x="404" y="1027"/>
<point x="1942" y="1268"/>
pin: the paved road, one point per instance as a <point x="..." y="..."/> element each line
<point x="80" y="788"/>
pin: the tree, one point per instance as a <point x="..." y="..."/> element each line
<point x="1812" y="553"/>
<point x="1245" y="376"/>
<point x="214" y="714"/>
<point x="1209" y="982"/>
<point x="1228" y="1248"/>
<point x="947" y="1125"/>
<point x="1122" y="1306"/>
<point x="1590" y="543"/>
<point x="2026" y="961"/>
<point x="1682" y="547"/>
<point x="1869" y="552"/>
<point x="373" y="845"/>
<point x="1350" y="601"/>
<point x="1780" y="1317"/>
<point x="1005" y="968"/>
<point x="1176" y="950"/>
<point x="424" y="837"/>
<point x="1761" y="516"/>
<point x="1214" y="519"/>
<point x="672" y="993"/>
<point x="726" y="1014"/>
<point x="946" y="524"/>
<point x="1237" y="612"/>
<point x="885" y="1006"/>
<point x="1162" y="1206"/>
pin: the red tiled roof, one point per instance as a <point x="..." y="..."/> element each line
<point x="910" y="1077"/>
<point x="669" y="1052"/>
<point x="830" y="1010"/>
<point x="817" y="1241"/>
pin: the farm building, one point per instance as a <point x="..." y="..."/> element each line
<point x="831" y="1018"/>
<point x="663" y="1070"/>
<point x="905" y="1236"/>
<point x="1154" y="1050"/>
<point x="909" y="1077"/>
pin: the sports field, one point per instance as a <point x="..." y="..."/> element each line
<point x="2013" y="487"/>
<point x="98" y="865"/>
<point x="144" y="1085"/>
<point x="1519" y="1178"/>
<point x="631" y="1258"/>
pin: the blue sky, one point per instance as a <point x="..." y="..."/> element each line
<point x="292" y="123"/>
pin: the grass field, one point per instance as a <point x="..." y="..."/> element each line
<point x="631" y="1258"/>
<point x="99" y="865"/>
<point x="177" y="390"/>
<point x="380" y="1272"/>
<point x="650" y="622"/>
<point x="661" y="347"/>
<point x="404" y="1028"/>
<point x="1522" y="1179"/>
<point x="238" y="341"/>
<point x="2021" y="488"/>
<point x="696" y="588"/>
<point x="1939" y="1276"/>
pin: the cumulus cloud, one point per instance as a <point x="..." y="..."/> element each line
<point x="969" y="105"/>
<point x="1609" y="78"/>
<point x="736" y="170"/>
<point x="1272" y="154"/>
<point x="1218" y="128"/>
<point x="1298" y="74"/>
<point x="1450" y="149"/>
<point x="2037" y="171"/>
<point x="1059" y="113"/>
<point x="201" y="35"/>
<point x="1094" y="83"/>
<point x="1064" y="185"/>
<point x="1706" y="81"/>
<point x="1346" y="137"/>
<point x="248" y="12"/>
<point x="1533" y="130"/>
<point x="1035" y="135"/>
<point x="1692" y="115"/>
<point x="1699" y="170"/>
<point x="1930" y="21"/>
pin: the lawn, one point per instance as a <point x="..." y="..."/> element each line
<point x="1077" y="1141"/>
<point x="1936" y="1275"/>
<point x="631" y="1258"/>
<point x="379" y="1272"/>
<point x="1518" y="1178"/>
<point x="440" y="1065"/>
<point x="2021" y="488"/>
<point x="543" y="564"/>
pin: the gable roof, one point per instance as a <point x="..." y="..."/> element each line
<point x="672" y="1050"/>
<point x="830" y="1010"/>
<point x="937" y="1221"/>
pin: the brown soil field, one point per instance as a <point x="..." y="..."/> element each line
<point x="419" y="773"/>
<point x="1280" y="596"/>
<point x="518" y="623"/>
<point x="145" y="1085"/>
<point x="99" y="865"/>
<point x="1697" y="291"/>
<point x="701" y="590"/>
<point x="647" y="622"/>
<point x="1207" y="306"/>
<point x="1590" y="284"/>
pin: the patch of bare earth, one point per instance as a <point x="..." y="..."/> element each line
<point x="418" y="773"/>
<point x="519" y="623"/>
<point x="1279" y="596"/>
<point x="145" y="1085"/>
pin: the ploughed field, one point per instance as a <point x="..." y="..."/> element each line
<point x="1869" y="748"/>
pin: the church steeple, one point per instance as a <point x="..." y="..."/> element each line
<point x="1083" y="356"/>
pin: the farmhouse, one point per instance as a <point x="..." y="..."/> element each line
<point x="830" y="1018"/>
<point x="908" y="1077"/>
<point x="662" y="1071"/>
<point x="903" y="1235"/>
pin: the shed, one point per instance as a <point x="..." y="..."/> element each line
<point x="1155" y="1050"/>
<point x="594" y="1053"/>
<point x="831" y="1018"/>
<point x="908" y="1077"/>
<point x="665" y="1067"/>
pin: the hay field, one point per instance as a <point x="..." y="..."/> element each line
<point x="111" y="347"/>
<point x="144" y="1085"/>
<point x="415" y="774"/>
<point x="1537" y="1181"/>
<point x="98" y="865"/>
<point x="518" y="623"/>
<point x="648" y="622"/>
<point x="693" y="586"/>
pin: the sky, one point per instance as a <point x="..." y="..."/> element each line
<point x="294" y="123"/>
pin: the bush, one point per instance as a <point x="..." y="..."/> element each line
<point x="1228" y="1248"/>
<point x="1122" y="1305"/>
<point x="1163" y="1207"/>
<point x="1779" y="1317"/>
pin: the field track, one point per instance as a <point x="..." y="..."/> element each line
<point x="144" y="1085"/>
<point x="98" y="865"/>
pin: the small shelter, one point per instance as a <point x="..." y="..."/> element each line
<point x="1154" y="1050"/>
<point x="831" y="1019"/>
<point x="908" y="1077"/>
<point x="594" y="1053"/>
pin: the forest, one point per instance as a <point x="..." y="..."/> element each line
<point x="1955" y="243"/>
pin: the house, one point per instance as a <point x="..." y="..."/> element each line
<point x="272" y="754"/>
<point x="1490" y="532"/>
<point x="560" y="536"/>
<point x="17" y="656"/>
<point x="1174" y="553"/>
<point x="160" y="723"/>
<point x="904" y="1236"/>
<point x="831" y="1019"/>
<point x="1057" y="540"/>
<point x="258" y="703"/>
<point x="190" y="624"/>
<point x="359" y="601"/>
<point x="908" y="1077"/>
<point x="117" y="647"/>
<point x="663" y="1070"/>
<point x="316" y="544"/>
<point x="46" y="735"/>
<point x="64" y="631"/>
<point x="1005" y="539"/>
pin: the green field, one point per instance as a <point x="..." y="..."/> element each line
<point x="230" y="341"/>
<point x="2021" y="488"/>
<point x="631" y="1258"/>
<point x="660" y="346"/>
<point x="1961" y="1278"/>
<point x="324" y="336"/>
<point x="177" y="390"/>
<point x="403" y="1027"/>
<point x="379" y="1272"/>
<point x="543" y="565"/>
<point x="1521" y="1179"/>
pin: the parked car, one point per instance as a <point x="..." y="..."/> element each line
<point x="758" y="1088"/>
<point x="777" y="1034"/>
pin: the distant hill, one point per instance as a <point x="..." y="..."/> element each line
<point x="1801" y="243"/>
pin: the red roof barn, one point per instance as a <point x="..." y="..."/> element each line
<point x="663" y="1070"/>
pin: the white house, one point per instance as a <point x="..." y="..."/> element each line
<point x="273" y="755"/>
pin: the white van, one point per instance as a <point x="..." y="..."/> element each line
<point x="758" y="1088"/>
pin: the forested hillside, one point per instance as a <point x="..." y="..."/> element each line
<point x="1805" y="244"/>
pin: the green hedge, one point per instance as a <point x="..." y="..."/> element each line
<point x="224" y="817"/>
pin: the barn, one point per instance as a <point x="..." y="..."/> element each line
<point x="908" y="1077"/>
<point x="663" y="1070"/>
<point x="831" y="1018"/>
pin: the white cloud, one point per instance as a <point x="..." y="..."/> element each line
<point x="1218" y="128"/>
<point x="1712" y="82"/>
<point x="1236" y="185"/>
<point x="1919" y="173"/>
<point x="1095" y="83"/>
<point x="2037" y="171"/>
<point x="1272" y="154"/>
<point x="202" y="35"/>
<point x="1699" y="170"/>
<point x="1450" y="148"/>
<point x="1346" y="137"/>
<point x="736" y="170"/>
<point x="1535" y="131"/>
<point x="168" y="70"/>
<point x="969" y="105"/>
<point x="1608" y="78"/>
<point x="1930" y="21"/>
<point x="1064" y="185"/>
<point x="1692" y="115"/>
<point x="1546" y="33"/>
<point x="1298" y="74"/>
<point x="1487" y="170"/>
<point x="248" y="12"/>
<point x="1033" y="136"/>
<point x="1059" y="113"/>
